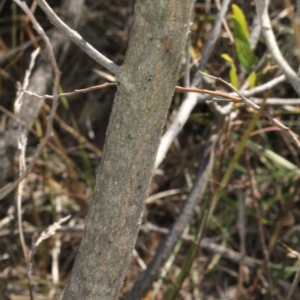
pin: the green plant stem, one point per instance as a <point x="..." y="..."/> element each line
<point x="235" y="159"/>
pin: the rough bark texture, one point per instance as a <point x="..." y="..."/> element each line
<point x="145" y="88"/>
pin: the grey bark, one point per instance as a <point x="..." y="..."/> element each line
<point x="145" y="281"/>
<point x="166" y="247"/>
<point x="145" y="87"/>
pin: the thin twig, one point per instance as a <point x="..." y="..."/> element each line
<point x="173" y="133"/>
<point x="153" y="198"/>
<point x="293" y="48"/>
<point x="20" y="48"/>
<point x="75" y="92"/>
<point x="251" y="104"/>
<point x="187" y="73"/>
<point x="75" y="133"/>
<point x="284" y="102"/>
<point x="206" y="244"/>
<point x="262" y="10"/>
<point x="191" y="100"/>
<point x="242" y="235"/>
<point x="225" y="24"/>
<point x="294" y="285"/>
<point x="261" y="234"/>
<point x="11" y="187"/>
<point x="45" y="234"/>
<point x="231" y="96"/>
<point x="294" y="254"/>
<point x="75" y="37"/>
<point x="255" y="32"/>
<point x="22" y="142"/>
<point x="264" y="87"/>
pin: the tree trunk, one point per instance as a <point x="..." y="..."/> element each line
<point x="145" y="89"/>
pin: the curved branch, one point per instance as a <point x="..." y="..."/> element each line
<point x="75" y="37"/>
<point x="292" y="77"/>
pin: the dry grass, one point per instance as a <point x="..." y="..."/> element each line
<point x="255" y="181"/>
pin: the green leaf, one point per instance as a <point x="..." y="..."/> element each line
<point x="233" y="77"/>
<point x="280" y="161"/>
<point x="226" y="57"/>
<point x="232" y="72"/>
<point x="241" y="34"/>
<point x="252" y="79"/>
<point x="240" y="17"/>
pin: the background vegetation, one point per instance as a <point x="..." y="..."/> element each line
<point x="252" y="200"/>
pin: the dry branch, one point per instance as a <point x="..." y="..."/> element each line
<point x="262" y="10"/>
<point x="5" y="191"/>
<point x="75" y="37"/>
